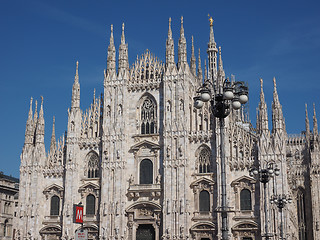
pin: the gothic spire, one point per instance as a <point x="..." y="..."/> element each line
<point x="315" y="122"/>
<point x="169" y="48"/>
<point x="29" y="126"/>
<point x="123" y="53"/>
<point x="277" y="116"/>
<point x="35" y="116"/>
<point x="111" y="58"/>
<point x="205" y="70"/>
<point x="199" y="68"/>
<point x="221" y="73"/>
<point x="53" y="137"/>
<point x="307" y="121"/>
<point x="75" y="101"/>
<point x="262" y="123"/>
<point x="40" y="125"/>
<point x="182" y="47"/>
<point x="193" y="66"/>
<point x="212" y="53"/>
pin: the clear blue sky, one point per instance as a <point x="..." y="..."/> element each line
<point x="40" y="42"/>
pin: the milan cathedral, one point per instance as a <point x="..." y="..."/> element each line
<point x="145" y="163"/>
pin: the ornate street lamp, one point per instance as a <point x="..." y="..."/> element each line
<point x="264" y="175"/>
<point x="232" y="94"/>
<point x="281" y="201"/>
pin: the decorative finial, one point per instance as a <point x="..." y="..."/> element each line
<point x="111" y="28"/>
<point x="31" y="99"/>
<point x="274" y="83"/>
<point x="261" y="83"/>
<point x="122" y="26"/>
<point x="41" y="100"/>
<point x="169" y="30"/>
<point x="54" y="120"/>
<point x="210" y="20"/>
<point x="192" y="40"/>
<point x="77" y="67"/>
<point x="181" y="20"/>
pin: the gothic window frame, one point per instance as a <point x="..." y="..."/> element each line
<point x="240" y="184"/>
<point x="147" y="115"/>
<point x="93" y="211"/>
<point x="55" y="206"/>
<point x="204" y="201"/>
<point x="245" y="200"/>
<point x="92" y="167"/>
<point x="151" y="181"/>
<point x="203" y="184"/>
<point x="204" y="160"/>
<point x="49" y="192"/>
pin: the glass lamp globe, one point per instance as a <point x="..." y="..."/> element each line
<point x="270" y="171"/>
<point x="243" y="98"/>
<point x="236" y="104"/>
<point x="277" y="171"/>
<point x="290" y="200"/>
<point x="255" y="172"/>
<point x="228" y="95"/>
<point x="205" y="95"/>
<point x="198" y="103"/>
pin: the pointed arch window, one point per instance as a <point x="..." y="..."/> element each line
<point x="245" y="200"/>
<point x="93" y="165"/>
<point x="148" y="117"/>
<point x="55" y="206"/>
<point x="90" y="205"/>
<point x="204" y="161"/>
<point x="146" y="172"/>
<point x="204" y="201"/>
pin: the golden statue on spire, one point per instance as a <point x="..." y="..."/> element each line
<point x="210" y="20"/>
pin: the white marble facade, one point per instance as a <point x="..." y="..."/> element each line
<point x="145" y="163"/>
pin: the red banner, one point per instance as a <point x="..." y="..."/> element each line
<point x="77" y="213"/>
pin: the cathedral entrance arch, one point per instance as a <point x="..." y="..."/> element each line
<point x="145" y="232"/>
<point x="144" y="220"/>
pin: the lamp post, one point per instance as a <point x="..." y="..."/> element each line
<point x="281" y="201"/>
<point x="264" y="175"/>
<point x="231" y="94"/>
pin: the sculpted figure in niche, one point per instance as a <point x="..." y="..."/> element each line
<point x="158" y="179"/>
<point x="168" y="151"/>
<point x="131" y="180"/>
